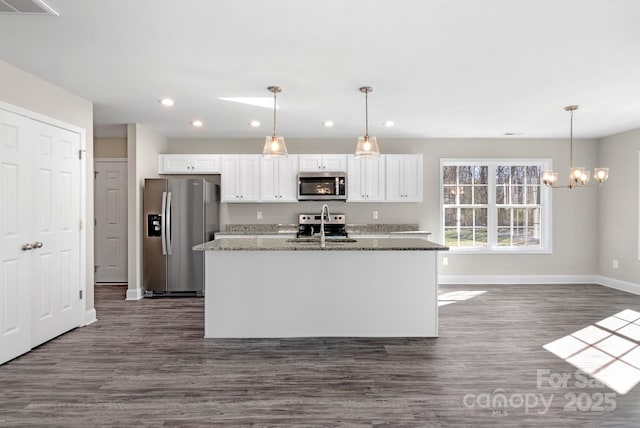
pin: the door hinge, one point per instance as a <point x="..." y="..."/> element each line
<point x="80" y="153"/>
<point x="95" y="268"/>
<point x="95" y="174"/>
<point x="80" y="224"/>
<point x="80" y="294"/>
<point x="95" y="221"/>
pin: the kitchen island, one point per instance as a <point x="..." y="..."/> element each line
<point x="365" y="287"/>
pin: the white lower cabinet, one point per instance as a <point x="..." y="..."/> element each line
<point x="278" y="183"/>
<point x="240" y="180"/>
<point x="366" y="179"/>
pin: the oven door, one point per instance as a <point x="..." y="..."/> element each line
<point x="322" y="186"/>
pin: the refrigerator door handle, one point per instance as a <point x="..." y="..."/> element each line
<point x="168" y="224"/>
<point x="163" y="225"/>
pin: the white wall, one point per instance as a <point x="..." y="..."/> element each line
<point x="618" y="207"/>
<point x="574" y="213"/>
<point x="25" y="90"/>
<point x="143" y="147"/>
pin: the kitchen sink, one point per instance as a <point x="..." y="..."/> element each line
<point x="317" y="240"/>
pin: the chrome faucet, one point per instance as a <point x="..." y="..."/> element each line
<point x="323" y="239"/>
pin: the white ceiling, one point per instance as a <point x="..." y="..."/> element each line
<point x="439" y="68"/>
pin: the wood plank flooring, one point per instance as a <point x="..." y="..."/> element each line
<point x="145" y="363"/>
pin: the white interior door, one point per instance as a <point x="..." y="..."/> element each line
<point x="15" y="295"/>
<point x="55" y="210"/>
<point x="110" y="221"/>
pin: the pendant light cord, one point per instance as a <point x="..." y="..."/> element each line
<point x="366" y="114"/>
<point x="274" y="115"/>
<point x="571" y="140"/>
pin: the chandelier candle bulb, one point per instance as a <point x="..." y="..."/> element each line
<point x="550" y="178"/>
<point x="601" y="174"/>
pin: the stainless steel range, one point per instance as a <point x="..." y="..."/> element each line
<point x="309" y="225"/>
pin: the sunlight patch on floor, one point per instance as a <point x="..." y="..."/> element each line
<point x="457" y="296"/>
<point x="609" y="351"/>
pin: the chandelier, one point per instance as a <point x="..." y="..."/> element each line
<point x="578" y="175"/>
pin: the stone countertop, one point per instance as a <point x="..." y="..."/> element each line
<point x="279" y="244"/>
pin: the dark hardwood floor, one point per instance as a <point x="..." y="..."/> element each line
<point x="145" y="363"/>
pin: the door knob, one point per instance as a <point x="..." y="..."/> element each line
<point x="26" y="247"/>
<point x="37" y="244"/>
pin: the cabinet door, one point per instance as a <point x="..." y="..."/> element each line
<point x="404" y="178"/>
<point x="229" y="185"/>
<point x="269" y="184"/>
<point x="366" y="179"/>
<point x="413" y="178"/>
<point x="375" y="179"/>
<point x="310" y="162"/>
<point x="205" y="164"/>
<point x="15" y="231"/>
<point x="287" y="179"/>
<point x="334" y="162"/>
<point x="249" y="178"/>
<point x="395" y="178"/>
<point x="356" y="179"/>
<point x="174" y="164"/>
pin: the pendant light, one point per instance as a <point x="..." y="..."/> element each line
<point x="274" y="145"/>
<point x="578" y="175"/>
<point x="367" y="146"/>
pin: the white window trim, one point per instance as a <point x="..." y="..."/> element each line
<point x="545" y="207"/>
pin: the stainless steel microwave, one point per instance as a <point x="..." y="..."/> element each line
<point x="322" y="186"/>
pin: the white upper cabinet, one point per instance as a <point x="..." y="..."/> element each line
<point x="404" y="178"/>
<point x="366" y="179"/>
<point x="240" y="180"/>
<point x="189" y="164"/>
<point x="278" y="182"/>
<point x="323" y="162"/>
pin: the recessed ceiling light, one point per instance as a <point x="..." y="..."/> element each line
<point x="328" y="123"/>
<point x="254" y="123"/>
<point x="167" y="102"/>
<point x="388" y="123"/>
<point x="197" y="123"/>
<point x="509" y="134"/>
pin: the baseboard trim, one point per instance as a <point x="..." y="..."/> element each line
<point x="605" y="281"/>
<point x="516" y="279"/>
<point x="134" y="294"/>
<point x="90" y="317"/>
<point x="618" y="284"/>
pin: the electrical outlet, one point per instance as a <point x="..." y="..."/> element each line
<point x="259" y="215"/>
<point x="445" y="261"/>
<point x="616" y="264"/>
<point x="375" y="215"/>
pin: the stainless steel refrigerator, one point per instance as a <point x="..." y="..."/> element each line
<point x="178" y="214"/>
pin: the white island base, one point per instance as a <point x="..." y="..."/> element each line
<point x="270" y="294"/>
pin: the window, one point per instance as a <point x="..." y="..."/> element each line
<point x="495" y="205"/>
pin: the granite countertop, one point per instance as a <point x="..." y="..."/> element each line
<point x="279" y="244"/>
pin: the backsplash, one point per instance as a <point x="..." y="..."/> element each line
<point x="287" y="213"/>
